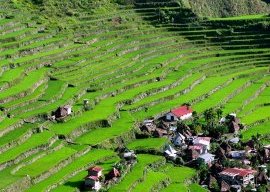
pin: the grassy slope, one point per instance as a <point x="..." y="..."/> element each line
<point x="122" y="61"/>
<point x="221" y="8"/>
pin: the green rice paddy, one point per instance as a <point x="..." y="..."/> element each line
<point x="129" y="69"/>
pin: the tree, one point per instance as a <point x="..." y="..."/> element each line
<point x="219" y="112"/>
<point x="203" y="171"/>
<point x="262" y="188"/>
<point x="38" y="2"/>
<point x="195" y="118"/>
<point x="181" y="126"/>
<point x="210" y="116"/>
<point x="214" y="186"/>
<point x="197" y="129"/>
<point x="218" y="130"/>
<point x="179" y="161"/>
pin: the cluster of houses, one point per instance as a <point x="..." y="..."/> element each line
<point x="195" y="150"/>
<point x="94" y="179"/>
<point x="197" y="147"/>
<point x="168" y="124"/>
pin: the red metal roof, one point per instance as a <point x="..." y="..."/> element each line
<point x="181" y="111"/>
<point x="95" y="168"/>
<point x="238" y="171"/>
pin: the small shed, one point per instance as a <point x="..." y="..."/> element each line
<point x="114" y="173"/>
<point x="63" y="111"/>
<point x="129" y="155"/>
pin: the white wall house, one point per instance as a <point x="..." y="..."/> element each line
<point x="181" y="113"/>
<point x="204" y="141"/>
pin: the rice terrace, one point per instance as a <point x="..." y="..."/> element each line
<point x="135" y="95"/>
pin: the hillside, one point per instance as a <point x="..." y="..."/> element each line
<point x="221" y="8"/>
<point x="117" y="64"/>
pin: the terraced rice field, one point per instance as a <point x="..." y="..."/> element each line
<point x="129" y="70"/>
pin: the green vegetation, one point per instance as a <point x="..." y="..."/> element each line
<point x="49" y="160"/>
<point x="99" y="135"/>
<point x="35" y="141"/>
<point x="77" y="181"/>
<point x="137" y="172"/>
<point x="148" y="144"/>
<point x="212" y="8"/>
<point x="196" y="187"/>
<point x="79" y="164"/>
<point x="262" y="129"/>
<point x="178" y="177"/>
<point x="118" y="63"/>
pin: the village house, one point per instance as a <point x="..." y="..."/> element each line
<point x="170" y="152"/>
<point x="206" y="158"/>
<point x="224" y="186"/>
<point x="148" y="127"/>
<point x="220" y="153"/>
<point x="129" y="155"/>
<point x="226" y="146"/>
<point x="113" y="174"/>
<point x="192" y="154"/>
<point x="63" y="111"/>
<point x="173" y="127"/>
<point x="246" y="162"/>
<point x="262" y="178"/>
<point x="232" y="122"/>
<point x="237" y="154"/>
<point x="238" y="176"/>
<point x="179" y="140"/>
<point x="92" y="180"/>
<point x="187" y="134"/>
<point x="234" y="140"/>
<point x="158" y="132"/>
<point x="236" y="188"/>
<point x="200" y="148"/>
<point x="203" y="140"/>
<point x="181" y="113"/>
<point x="234" y="127"/>
<point x="95" y="171"/>
<point x="265" y="153"/>
<point x="148" y="122"/>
